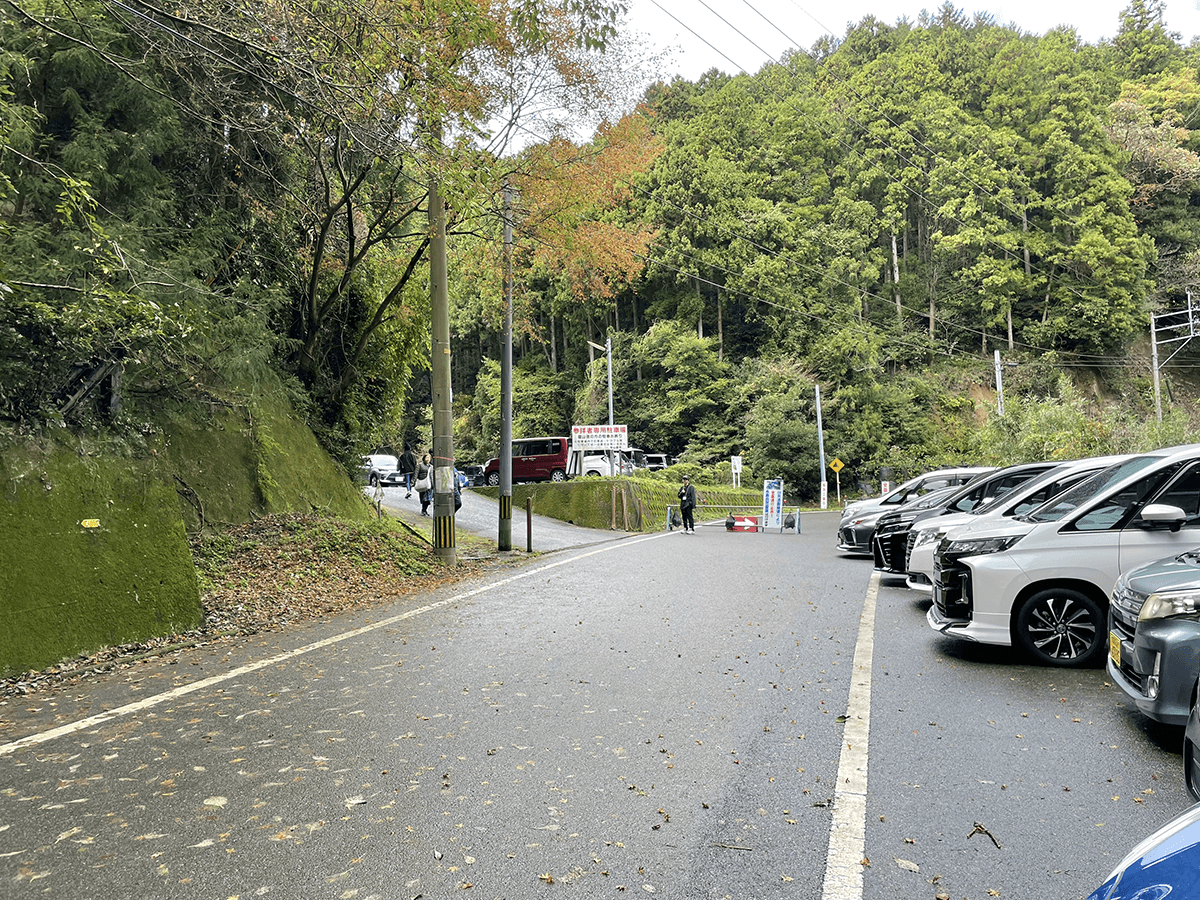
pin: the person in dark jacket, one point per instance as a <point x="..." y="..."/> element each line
<point x="408" y="465"/>
<point x="687" y="503"/>
<point x="425" y="471"/>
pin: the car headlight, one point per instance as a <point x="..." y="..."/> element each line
<point x="1170" y="605"/>
<point x="980" y="546"/>
<point x="928" y="537"/>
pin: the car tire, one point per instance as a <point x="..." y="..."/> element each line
<point x="558" y="476"/>
<point x="494" y="479"/>
<point x="374" y="480"/>
<point x="1062" y="627"/>
<point x="593" y="474"/>
<point x="1191" y="753"/>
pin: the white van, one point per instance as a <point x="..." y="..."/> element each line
<point x="1043" y="581"/>
<point x="596" y="463"/>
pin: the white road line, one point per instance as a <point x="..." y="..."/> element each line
<point x="848" y="830"/>
<point x="137" y="706"/>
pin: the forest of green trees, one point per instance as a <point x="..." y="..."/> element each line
<point x="197" y="200"/>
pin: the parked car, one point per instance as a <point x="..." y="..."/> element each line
<point x="1043" y="581"/>
<point x="474" y="474"/>
<point x="533" y="459"/>
<point x="857" y="525"/>
<point x="596" y="463"/>
<point x="925" y="534"/>
<point x="381" y="469"/>
<point x="656" y="462"/>
<point x="1165" y="863"/>
<point x="1191" y="752"/>
<point x="890" y="544"/>
<point x="1154" y="636"/>
<point x="891" y="529"/>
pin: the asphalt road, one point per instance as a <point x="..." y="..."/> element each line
<point x="480" y="514"/>
<point x="662" y="714"/>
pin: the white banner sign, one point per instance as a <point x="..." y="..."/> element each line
<point x="599" y="437"/>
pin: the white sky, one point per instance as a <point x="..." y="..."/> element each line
<point x="804" y="21"/>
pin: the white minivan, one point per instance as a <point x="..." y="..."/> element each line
<point x="1042" y="581"/>
<point x="925" y="535"/>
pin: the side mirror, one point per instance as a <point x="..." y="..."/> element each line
<point x="1163" y="513"/>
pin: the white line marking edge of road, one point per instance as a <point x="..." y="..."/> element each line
<point x="42" y="737"/>
<point x="848" y="830"/>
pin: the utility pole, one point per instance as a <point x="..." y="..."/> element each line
<point x="821" y="450"/>
<point x="999" y="387"/>
<point x="607" y="348"/>
<point x="443" y="419"/>
<point x="504" y="534"/>
<point x="1181" y="327"/>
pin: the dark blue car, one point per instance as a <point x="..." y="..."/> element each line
<point x="1165" y="864"/>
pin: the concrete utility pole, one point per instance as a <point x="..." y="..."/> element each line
<point x="821" y="451"/>
<point x="607" y="348"/>
<point x="443" y="418"/>
<point x="504" y="534"/>
<point x="999" y="387"/>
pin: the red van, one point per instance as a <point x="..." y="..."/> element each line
<point x="533" y="459"/>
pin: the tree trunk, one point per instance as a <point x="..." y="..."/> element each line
<point x="553" y="347"/>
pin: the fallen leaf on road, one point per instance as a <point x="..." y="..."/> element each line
<point x="906" y="865"/>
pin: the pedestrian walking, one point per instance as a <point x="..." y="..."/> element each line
<point x="408" y="466"/>
<point x="687" y="503"/>
<point x="424" y="484"/>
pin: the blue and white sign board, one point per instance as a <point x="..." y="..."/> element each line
<point x="599" y="437"/>
<point x="772" y="503"/>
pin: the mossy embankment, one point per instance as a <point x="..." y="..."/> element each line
<point x="94" y="530"/>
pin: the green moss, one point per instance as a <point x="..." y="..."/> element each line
<point x="67" y="589"/>
<point x="93" y="553"/>
<point x="232" y="463"/>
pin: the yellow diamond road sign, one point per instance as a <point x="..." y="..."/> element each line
<point x="836" y="464"/>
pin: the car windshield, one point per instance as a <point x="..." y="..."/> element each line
<point x="1029" y="487"/>
<point x="964" y="496"/>
<point x="920" y="486"/>
<point x="934" y="498"/>
<point x="1057" y="507"/>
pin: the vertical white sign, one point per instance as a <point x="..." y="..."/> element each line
<point x="772" y="514"/>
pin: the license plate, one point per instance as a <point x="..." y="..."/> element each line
<point x="1114" y="648"/>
